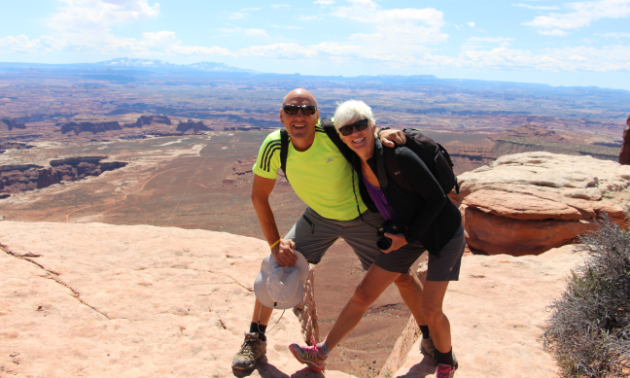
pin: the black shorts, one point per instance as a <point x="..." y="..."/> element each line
<point x="444" y="268"/>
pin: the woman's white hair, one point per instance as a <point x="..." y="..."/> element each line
<point x="353" y="110"/>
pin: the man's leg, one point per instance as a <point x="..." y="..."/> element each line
<point x="261" y="314"/>
<point x="313" y="235"/>
<point x="255" y="344"/>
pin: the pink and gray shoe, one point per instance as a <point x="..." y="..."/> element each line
<point x="445" y="371"/>
<point x="310" y="355"/>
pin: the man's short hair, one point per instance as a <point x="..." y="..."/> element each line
<point x="353" y="109"/>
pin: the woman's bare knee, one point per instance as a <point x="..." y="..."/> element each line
<point x="362" y="297"/>
<point x="432" y="313"/>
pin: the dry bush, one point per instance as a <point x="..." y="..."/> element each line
<point x="589" y="331"/>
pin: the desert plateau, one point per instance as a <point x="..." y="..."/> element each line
<point x="129" y="244"/>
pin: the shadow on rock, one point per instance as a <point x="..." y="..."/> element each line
<point x="267" y="370"/>
<point x="420" y="370"/>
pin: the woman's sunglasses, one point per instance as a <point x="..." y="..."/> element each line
<point x="347" y="129"/>
<point x="307" y="110"/>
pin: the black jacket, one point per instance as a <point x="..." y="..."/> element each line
<point x="429" y="214"/>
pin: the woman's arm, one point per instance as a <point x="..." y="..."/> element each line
<point x="425" y="185"/>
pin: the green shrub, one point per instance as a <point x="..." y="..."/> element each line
<point x="589" y="331"/>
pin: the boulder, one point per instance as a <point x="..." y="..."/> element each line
<point x="531" y="202"/>
<point x="624" y="155"/>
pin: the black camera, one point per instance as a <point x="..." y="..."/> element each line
<point x="391" y="227"/>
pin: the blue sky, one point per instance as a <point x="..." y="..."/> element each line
<point x="555" y="42"/>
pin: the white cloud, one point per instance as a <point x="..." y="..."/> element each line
<point x="22" y="44"/>
<point x="569" y="59"/>
<point x="396" y="32"/>
<point x="582" y="14"/>
<point x="86" y="26"/>
<point x="287" y="27"/>
<point x="309" y="18"/>
<point x="471" y="24"/>
<point x="250" y="32"/>
<point x="474" y="43"/>
<point x="536" y="7"/>
<point x="616" y="35"/>
<point x="324" y="2"/>
<point x="256" y="32"/>
<point x="78" y="16"/>
<point x="278" y="6"/>
<point x="237" y="15"/>
<point x="553" y="32"/>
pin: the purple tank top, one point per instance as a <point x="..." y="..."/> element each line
<point x="380" y="201"/>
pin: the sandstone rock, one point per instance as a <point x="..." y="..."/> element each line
<point x="531" y="202"/>
<point x="20" y="178"/>
<point x="93" y="127"/>
<point x="8" y="124"/>
<point x="146" y="120"/>
<point x="191" y="125"/>
<point x="497" y="312"/>
<point x="97" y="300"/>
<point x="624" y="155"/>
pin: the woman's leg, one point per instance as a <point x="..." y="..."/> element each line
<point x="411" y="291"/>
<point x="439" y="325"/>
<point x="371" y="287"/>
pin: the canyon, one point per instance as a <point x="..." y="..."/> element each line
<point x="183" y="154"/>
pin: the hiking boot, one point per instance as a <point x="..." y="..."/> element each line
<point x="427" y="348"/>
<point x="309" y="355"/>
<point x="252" y="349"/>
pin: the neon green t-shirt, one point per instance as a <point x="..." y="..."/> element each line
<point x="320" y="176"/>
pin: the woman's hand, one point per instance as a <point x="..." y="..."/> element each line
<point x="391" y="138"/>
<point x="398" y="241"/>
<point x="283" y="253"/>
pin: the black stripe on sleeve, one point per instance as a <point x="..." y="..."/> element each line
<point x="267" y="163"/>
<point x="268" y="148"/>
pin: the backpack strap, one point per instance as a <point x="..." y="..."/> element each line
<point x="284" y="151"/>
<point x="389" y="160"/>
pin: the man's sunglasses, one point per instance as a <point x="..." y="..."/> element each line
<point x="307" y="110"/>
<point x="347" y="129"/>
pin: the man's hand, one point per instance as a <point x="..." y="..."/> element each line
<point x="389" y="137"/>
<point x="398" y="241"/>
<point x="283" y="253"/>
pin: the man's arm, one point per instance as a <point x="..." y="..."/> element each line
<point x="391" y="138"/>
<point x="283" y="252"/>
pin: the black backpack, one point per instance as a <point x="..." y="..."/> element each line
<point x="434" y="156"/>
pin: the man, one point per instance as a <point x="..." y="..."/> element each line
<point x="322" y="178"/>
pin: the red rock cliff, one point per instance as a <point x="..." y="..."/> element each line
<point x="624" y="155"/>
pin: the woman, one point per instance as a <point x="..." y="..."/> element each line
<point x="427" y="220"/>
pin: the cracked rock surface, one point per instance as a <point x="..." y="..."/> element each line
<point x="97" y="300"/>
<point x="531" y="202"/>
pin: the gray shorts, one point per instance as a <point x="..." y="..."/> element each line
<point x="444" y="268"/>
<point x="313" y="235"/>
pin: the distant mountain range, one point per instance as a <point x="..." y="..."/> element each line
<point x="129" y="70"/>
